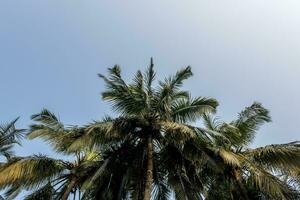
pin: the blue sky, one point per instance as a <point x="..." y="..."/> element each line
<point x="240" y="52"/>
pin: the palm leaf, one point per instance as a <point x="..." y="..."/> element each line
<point x="250" y="120"/>
<point x="46" y="192"/>
<point x="29" y="171"/>
<point x="281" y="156"/>
<point x="189" y="110"/>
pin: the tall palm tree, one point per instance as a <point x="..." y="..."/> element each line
<point x="149" y="118"/>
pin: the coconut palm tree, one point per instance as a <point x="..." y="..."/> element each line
<point x="250" y="173"/>
<point x="151" y="116"/>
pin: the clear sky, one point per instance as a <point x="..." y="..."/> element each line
<point x="240" y="52"/>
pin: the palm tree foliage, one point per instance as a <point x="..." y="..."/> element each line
<point x="153" y="150"/>
<point x="9" y="136"/>
<point x="252" y="172"/>
<point x="49" y="178"/>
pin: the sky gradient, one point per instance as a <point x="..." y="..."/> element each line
<point x="240" y="52"/>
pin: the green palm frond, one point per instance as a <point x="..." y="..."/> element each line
<point x="29" y="171"/>
<point x="107" y="132"/>
<point x="167" y="92"/>
<point x="139" y="83"/>
<point x="223" y="134"/>
<point x="211" y="122"/>
<point x="269" y="184"/>
<point x="281" y="156"/>
<point x="174" y="82"/>
<point x="47" y="118"/>
<point x="189" y="109"/>
<point x="250" y="120"/>
<point x="149" y="77"/>
<point x="52" y="131"/>
<point x="232" y="133"/>
<point x="48" y="126"/>
<point x="176" y="132"/>
<point x="46" y="192"/>
<point x="60" y="139"/>
<point x="214" y="136"/>
<point x="13" y="192"/>
<point x="95" y="134"/>
<point x="9" y="130"/>
<point x="120" y="94"/>
<point x="9" y="135"/>
<point x="230" y="158"/>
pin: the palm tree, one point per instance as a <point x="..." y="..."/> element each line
<point x="150" y="118"/>
<point x="252" y="171"/>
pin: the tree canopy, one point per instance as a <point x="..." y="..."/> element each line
<point x="152" y="149"/>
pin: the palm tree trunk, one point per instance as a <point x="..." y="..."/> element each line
<point x="69" y="189"/>
<point x="241" y="186"/>
<point x="149" y="176"/>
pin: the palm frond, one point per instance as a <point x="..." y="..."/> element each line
<point x="9" y="135"/>
<point x="52" y="131"/>
<point x="250" y="120"/>
<point x="29" y="171"/>
<point x="177" y="80"/>
<point x="47" y="127"/>
<point x="46" y="192"/>
<point x="270" y="184"/>
<point x="176" y="132"/>
<point x="149" y="77"/>
<point x="229" y="157"/>
<point x="121" y="95"/>
<point x="106" y="132"/>
<point x="211" y="123"/>
<point x="13" y="192"/>
<point x="95" y="134"/>
<point x="59" y="139"/>
<point x="48" y="119"/>
<point x="281" y="156"/>
<point x="189" y="109"/>
<point x="167" y="91"/>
